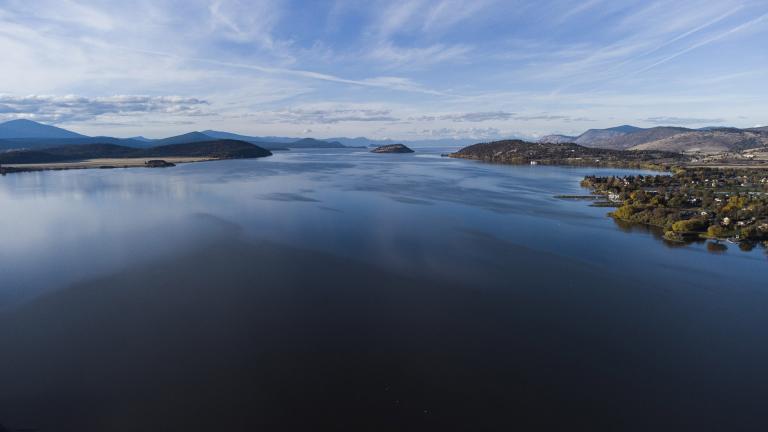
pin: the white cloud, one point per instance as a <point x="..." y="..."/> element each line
<point x="327" y="116"/>
<point x="63" y="109"/>
<point x="474" y="133"/>
<point x="472" y="117"/>
<point x="359" y="66"/>
<point x="683" y="121"/>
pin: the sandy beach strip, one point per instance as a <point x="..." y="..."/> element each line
<point x="105" y="162"/>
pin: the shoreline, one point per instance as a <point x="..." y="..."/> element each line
<point x="576" y="163"/>
<point x="716" y="204"/>
<point x="99" y="163"/>
<point x="666" y="168"/>
<point x="115" y="163"/>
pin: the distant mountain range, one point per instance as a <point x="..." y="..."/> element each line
<point x="31" y="135"/>
<point x="666" y="138"/>
<point x="275" y="143"/>
<point x="344" y="141"/>
<point x="29" y="129"/>
<point x="40" y="143"/>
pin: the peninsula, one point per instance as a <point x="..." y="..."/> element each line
<point x="517" y="152"/>
<point x="723" y="199"/>
<point x="117" y="156"/>
<point x="717" y="203"/>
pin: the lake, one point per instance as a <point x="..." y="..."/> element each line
<point x="355" y="291"/>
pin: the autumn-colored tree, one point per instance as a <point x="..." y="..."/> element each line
<point x="715" y="231"/>
<point x="690" y="225"/>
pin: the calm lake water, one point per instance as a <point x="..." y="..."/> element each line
<point x="356" y="291"/>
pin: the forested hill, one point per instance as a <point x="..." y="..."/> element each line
<point x="216" y="149"/>
<point x="523" y="152"/>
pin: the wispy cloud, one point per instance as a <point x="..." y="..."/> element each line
<point x="246" y="22"/>
<point x="386" y="67"/>
<point x="475" y="133"/>
<point x="577" y="10"/>
<point x="328" y="116"/>
<point x="683" y="121"/>
<point x="408" y="16"/>
<point x="694" y="30"/>
<point x="498" y="116"/>
<point x="705" y="42"/>
<point x="472" y="117"/>
<point x="416" y="57"/>
<point x="738" y="76"/>
<point x="445" y="14"/>
<point x="418" y="16"/>
<point x="62" y="109"/>
<point x="66" y="12"/>
<point x="392" y="83"/>
<point x="395" y="17"/>
<point x="679" y="37"/>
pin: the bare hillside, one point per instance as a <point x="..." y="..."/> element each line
<point x="712" y="141"/>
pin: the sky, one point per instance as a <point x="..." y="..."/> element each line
<point x="398" y="69"/>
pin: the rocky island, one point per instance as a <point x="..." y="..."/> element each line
<point x="392" y="148"/>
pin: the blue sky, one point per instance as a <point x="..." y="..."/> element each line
<point x="384" y="69"/>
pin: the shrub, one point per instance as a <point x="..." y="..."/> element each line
<point x="715" y="231"/>
<point x="625" y="212"/>
<point x="690" y="225"/>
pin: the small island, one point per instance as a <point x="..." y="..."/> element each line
<point x="392" y="148"/>
<point x="158" y="163"/>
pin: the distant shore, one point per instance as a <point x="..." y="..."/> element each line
<point x="102" y="163"/>
<point x="115" y="156"/>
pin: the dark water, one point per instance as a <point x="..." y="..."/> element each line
<point x="344" y="290"/>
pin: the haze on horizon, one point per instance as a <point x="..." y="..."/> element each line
<point x="407" y="69"/>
